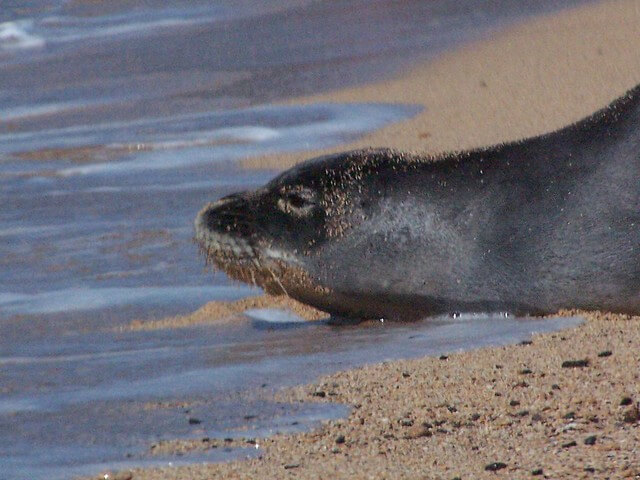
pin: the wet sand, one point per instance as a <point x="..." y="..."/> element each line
<point x="227" y="312"/>
<point x="565" y="406"/>
<point x="513" y="409"/>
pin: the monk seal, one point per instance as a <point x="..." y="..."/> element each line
<point x="528" y="227"/>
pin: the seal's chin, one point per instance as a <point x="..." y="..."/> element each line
<point x="238" y="258"/>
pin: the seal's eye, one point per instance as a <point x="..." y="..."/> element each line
<point x="298" y="201"/>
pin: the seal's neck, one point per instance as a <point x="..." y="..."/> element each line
<point x="622" y="112"/>
<point x="610" y="136"/>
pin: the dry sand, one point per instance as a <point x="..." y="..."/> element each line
<point x="510" y="412"/>
<point x="531" y="79"/>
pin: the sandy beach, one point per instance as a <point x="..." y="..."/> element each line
<point x="565" y="405"/>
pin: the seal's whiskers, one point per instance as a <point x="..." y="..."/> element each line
<point x="277" y="280"/>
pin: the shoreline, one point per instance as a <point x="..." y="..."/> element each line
<point x="563" y="405"/>
<point x="510" y="412"/>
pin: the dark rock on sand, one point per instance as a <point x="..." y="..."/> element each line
<point x="495" y="466"/>
<point x="575" y="363"/>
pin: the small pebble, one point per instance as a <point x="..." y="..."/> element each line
<point x="632" y="415"/>
<point x="418" y="431"/>
<point x="537" y="471"/>
<point x="591" y="440"/>
<point x="568" y="427"/>
<point x="606" y="353"/>
<point x="626" y="401"/>
<point x="495" y="466"/>
<point x="570" y="444"/>
<point x="340" y="439"/>
<point x="575" y="363"/>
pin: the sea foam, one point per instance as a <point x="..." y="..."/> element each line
<point x="16" y="36"/>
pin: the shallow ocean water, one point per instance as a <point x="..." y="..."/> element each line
<point x="118" y="121"/>
<point x="120" y="392"/>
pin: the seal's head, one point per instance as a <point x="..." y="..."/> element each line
<point x="265" y="237"/>
<point x="261" y="237"/>
<point x="308" y="232"/>
<point x="271" y="237"/>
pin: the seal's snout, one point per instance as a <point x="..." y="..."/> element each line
<point x="235" y="199"/>
<point x="204" y="219"/>
<point x="221" y="217"/>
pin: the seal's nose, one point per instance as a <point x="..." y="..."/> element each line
<point x="216" y="215"/>
<point x="234" y="198"/>
<point x="203" y="219"/>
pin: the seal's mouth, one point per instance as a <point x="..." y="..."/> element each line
<point x="227" y="237"/>
<point x="225" y="245"/>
